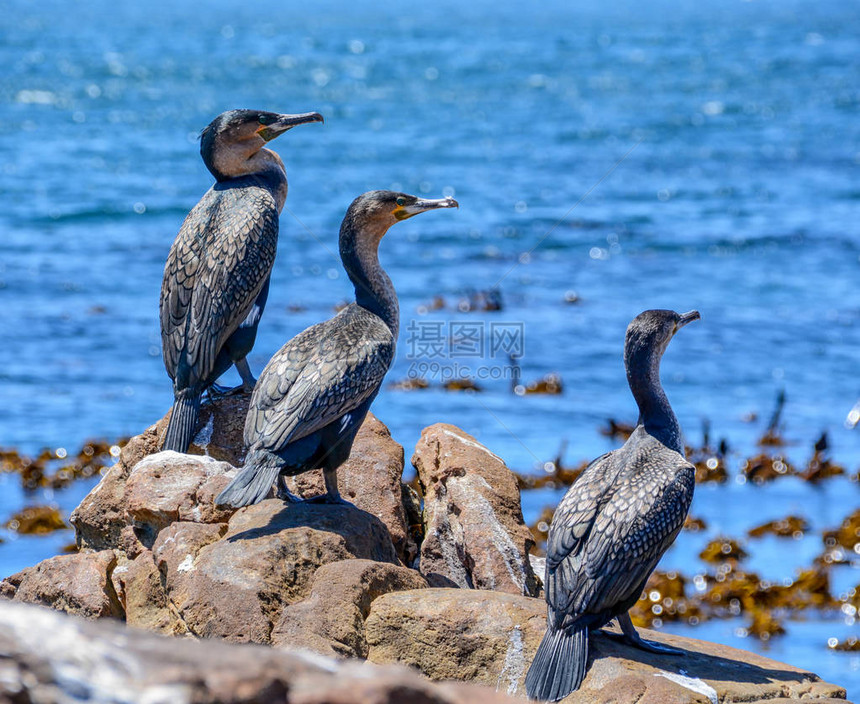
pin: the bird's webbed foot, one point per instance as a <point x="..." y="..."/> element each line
<point x="285" y="494"/>
<point x="328" y="498"/>
<point x="216" y="391"/>
<point x="332" y="494"/>
<point x="630" y="636"/>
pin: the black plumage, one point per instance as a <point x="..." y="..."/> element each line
<point x="616" y="521"/>
<point x="216" y="279"/>
<point x="315" y="392"/>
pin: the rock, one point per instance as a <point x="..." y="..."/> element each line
<point x="49" y="657"/>
<point x="221" y="426"/>
<point x="100" y="520"/>
<point x="475" y="536"/>
<point x="330" y="621"/>
<point x="371" y="479"/>
<point x="236" y="586"/>
<point x="78" y="584"/>
<point x="162" y="489"/>
<point x="491" y="638"/>
<point x="143" y="596"/>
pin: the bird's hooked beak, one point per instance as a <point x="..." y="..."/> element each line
<point x="286" y="122"/>
<point x="685" y="318"/>
<point x="402" y="212"/>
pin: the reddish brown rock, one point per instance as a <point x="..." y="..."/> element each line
<point x="100" y="518"/>
<point x="491" y="638"/>
<point x="162" y="489"/>
<point x="475" y="536"/>
<point x="49" y="657"/>
<point x="143" y="597"/>
<point x="236" y="587"/>
<point x="370" y="479"/>
<point x="330" y="621"/>
<point x="78" y="584"/>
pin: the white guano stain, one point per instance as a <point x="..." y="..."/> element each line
<point x="186" y="565"/>
<point x="694" y="684"/>
<point x="500" y="537"/>
<point x="515" y="663"/>
<point x="204" y="437"/>
<point x="472" y="443"/>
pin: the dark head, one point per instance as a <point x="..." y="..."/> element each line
<point x="365" y="224"/>
<point x="232" y="144"/>
<point x="372" y="213"/>
<point x="650" y="332"/>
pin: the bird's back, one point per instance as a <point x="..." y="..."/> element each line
<point x="614" y="524"/>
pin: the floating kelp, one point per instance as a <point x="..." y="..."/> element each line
<point x="764" y="468"/>
<point x="540" y="528"/>
<point x="556" y="476"/>
<point x="819" y="466"/>
<point x="617" y="430"/>
<point x="788" y="527"/>
<point x="850" y="645"/>
<point x="693" y="524"/>
<point x="847" y="535"/>
<point x="773" y="434"/>
<point x="470" y="301"/>
<point x="710" y="469"/>
<point x="665" y="600"/>
<point x="723" y="550"/>
<point x="36" y="520"/>
<point x="410" y="384"/>
<point x="57" y="468"/>
<point x="549" y="384"/>
<point x="463" y="384"/>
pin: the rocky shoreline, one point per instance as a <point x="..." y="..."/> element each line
<point x="440" y="581"/>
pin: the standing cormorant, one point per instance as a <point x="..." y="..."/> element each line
<point x="314" y="393"/>
<point x="616" y="521"/>
<point x="216" y="279"/>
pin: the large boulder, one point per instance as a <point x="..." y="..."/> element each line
<point x="475" y="536"/>
<point x="491" y="638"/>
<point x="52" y="658"/>
<point x="330" y="621"/>
<point x="234" y="581"/>
<point x="78" y="584"/>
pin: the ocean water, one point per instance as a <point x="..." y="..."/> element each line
<point x="680" y="155"/>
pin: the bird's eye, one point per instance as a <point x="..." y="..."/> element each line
<point x="401" y="201"/>
<point x="266" y="119"/>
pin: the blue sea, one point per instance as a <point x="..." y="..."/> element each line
<point x="608" y="157"/>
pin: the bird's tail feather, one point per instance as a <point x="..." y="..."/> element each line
<point x="183" y="421"/>
<point x="559" y="664"/>
<point x="252" y="484"/>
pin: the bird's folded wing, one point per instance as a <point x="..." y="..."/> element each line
<point x="576" y="512"/>
<point x="337" y="376"/>
<point x="628" y="537"/>
<point x="215" y="272"/>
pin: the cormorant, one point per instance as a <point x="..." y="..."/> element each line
<point x="616" y="521"/>
<point x="314" y="393"/>
<point x="216" y="279"/>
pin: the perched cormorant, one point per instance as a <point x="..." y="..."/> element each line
<point x="216" y="279"/>
<point x="616" y="521"/>
<point x="314" y="393"/>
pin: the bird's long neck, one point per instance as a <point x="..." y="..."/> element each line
<point x="655" y="412"/>
<point x="232" y="161"/>
<point x="373" y="289"/>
